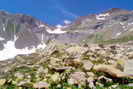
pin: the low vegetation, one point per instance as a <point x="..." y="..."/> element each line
<point x="68" y="67"/>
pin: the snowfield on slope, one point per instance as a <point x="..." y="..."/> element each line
<point x="10" y="51"/>
<point x="58" y="30"/>
<point x="102" y="16"/>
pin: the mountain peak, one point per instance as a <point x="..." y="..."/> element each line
<point x="114" y="10"/>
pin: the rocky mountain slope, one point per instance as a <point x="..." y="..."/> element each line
<point x="20" y="28"/>
<point x="24" y="34"/>
<point x="116" y="23"/>
<point x="112" y="24"/>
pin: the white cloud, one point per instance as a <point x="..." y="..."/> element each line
<point x="68" y="13"/>
<point x="58" y="5"/>
<point x="67" y="22"/>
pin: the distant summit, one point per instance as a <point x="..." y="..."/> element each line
<point x="114" y="10"/>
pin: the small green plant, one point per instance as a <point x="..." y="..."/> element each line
<point x="119" y="40"/>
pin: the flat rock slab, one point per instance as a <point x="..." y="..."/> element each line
<point x="128" y="67"/>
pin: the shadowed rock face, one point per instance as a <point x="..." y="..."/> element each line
<point x="24" y="30"/>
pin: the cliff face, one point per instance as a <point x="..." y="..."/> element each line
<point x="20" y="34"/>
<point x="24" y="30"/>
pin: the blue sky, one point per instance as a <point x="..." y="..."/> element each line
<point x="56" y="11"/>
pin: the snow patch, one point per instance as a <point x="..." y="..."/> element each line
<point x="123" y="27"/>
<point x="10" y="51"/>
<point x="67" y="22"/>
<point x="118" y="34"/>
<point x="42" y="36"/>
<point x="121" y="23"/>
<point x="1" y="39"/>
<point x="102" y="16"/>
<point x="42" y="25"/>
<point x="58" y="30"/>
<point x="4" y="28"/>
<point x="41" y="46"/>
